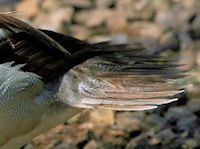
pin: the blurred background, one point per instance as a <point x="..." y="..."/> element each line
<point x="167" y="27"/>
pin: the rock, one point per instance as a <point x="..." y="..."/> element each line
<point x="156" y="120"/>
<point x="146" y="29"/>
<point x="119" y="39"/>
<point x="142" y="144"/>
<point x="80" y="4"/>
<point x="187" y="124"/>
<point x="65" y="146"/>
<point x="194" y="29"/>
<point x="117" y="23"/>
<point x="93" y="18"/>
<point x="50" y="5"/>
<point x="7" y="5"/>
<point x="190" y="144"/>
<point x="136" y="10"/>
<point x="29" y="146"/>
<point x="174" y="114"/>
<point x="165" y="136"/>
<point x="187" y="53"/>
<point x="102" y="117"/>
<point x="132" y="144"/>
<point x="90" y="145"/>
<point x="197" y="134"/>
<point x="105" y="3"/>
<point x="80" y="31"/>
<point x="194" y="106"/>
<point x="169" y="40"/>
<point x="109" y="145"/>
<point x="182" y="120"/>
<point x="53" y="21"/>
<point x="29" y="8"/>
<point x="166" y="15"/>
<point x="128" y="123"/>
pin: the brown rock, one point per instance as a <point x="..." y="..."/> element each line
<point x="54" y="19"/>
<point x="104" y="3"/>
<point x="79" y="3"/>
<point x="80" y="31"/>
<point x="29" y="8"/>
<point x="102" y="117"/>
<point x="134" y="9"/>
<point x="116" y="23"/>
<point x="93" y="18"/>
<point x="127" y="122"/>
<point x="50" y="5"/>
<point x="90" y="145"/>
<point x="146" y="29"/>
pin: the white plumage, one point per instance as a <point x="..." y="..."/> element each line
<point x="33" y="113"/>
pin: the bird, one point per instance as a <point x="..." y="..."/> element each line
<point x="48" y="77"/>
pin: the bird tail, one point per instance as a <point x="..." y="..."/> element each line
<point x="129" y="80"/>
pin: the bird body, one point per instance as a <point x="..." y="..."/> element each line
<point x="46" y="78"/>
<point x="36" y="112"/>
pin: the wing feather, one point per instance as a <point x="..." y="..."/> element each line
<point x="100" y="82"/>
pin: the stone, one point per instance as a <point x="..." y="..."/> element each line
<point x="128" y="123"/>
<point x="53" y="20"/>
<point x="65" y="146"/>
<point x="102" y="117"/>
<point x="29" y="8"/>
<point x="93" y="18"/>
<point x="165" y="136"/>
<point x="81" y="4"/>
<point x="90" y="145"/>
<point x="174" y="114"/>
<point x="146" y="29"/>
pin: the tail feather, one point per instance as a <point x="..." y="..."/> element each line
<point x="122" y="82"/>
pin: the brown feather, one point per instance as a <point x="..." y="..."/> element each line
<point x="118" y="77"/>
